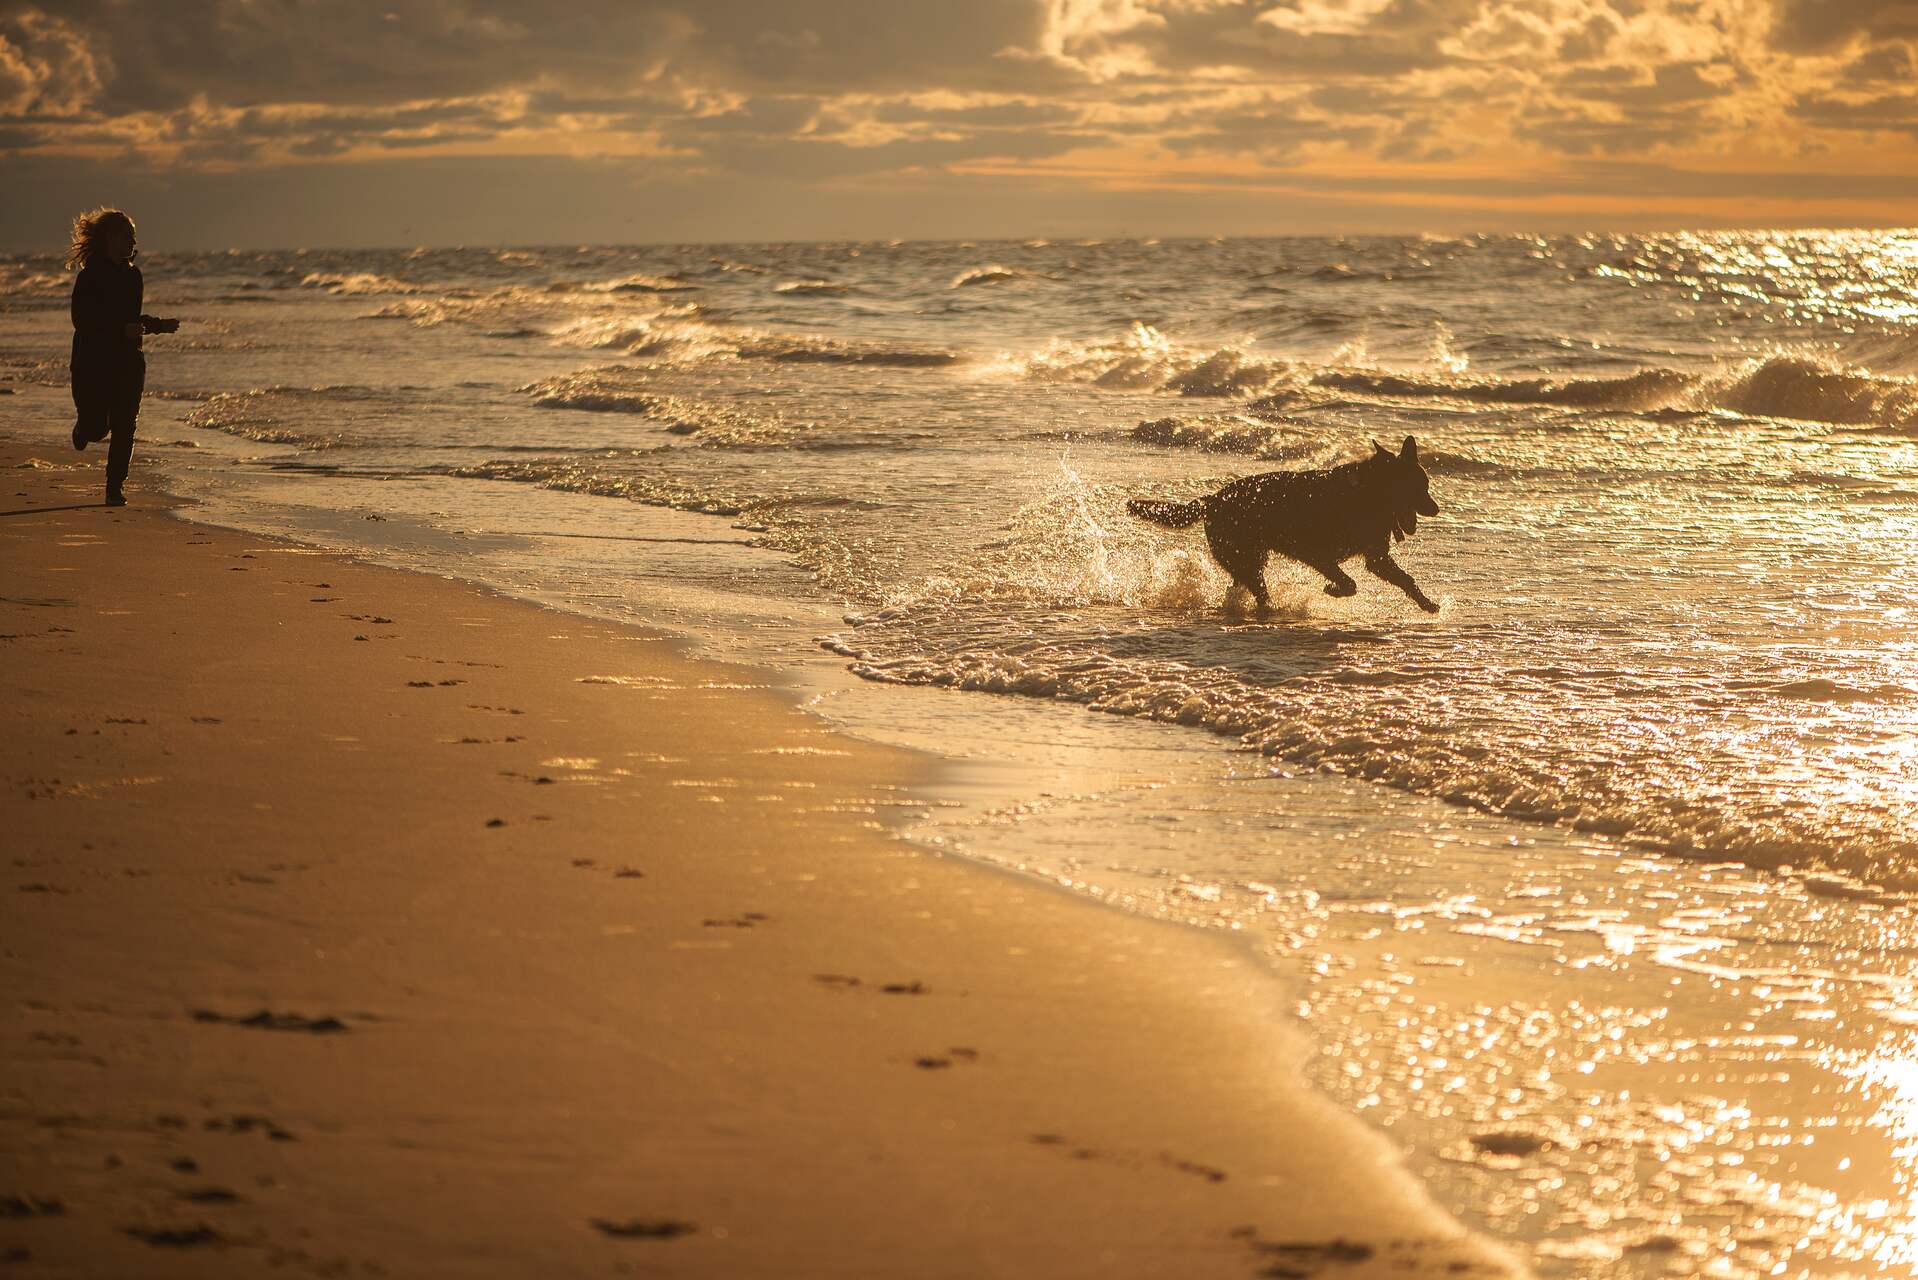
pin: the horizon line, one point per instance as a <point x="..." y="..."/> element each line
<point x="1032" y="241"/>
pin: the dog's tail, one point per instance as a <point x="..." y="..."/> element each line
<point x="1173" y="515"/>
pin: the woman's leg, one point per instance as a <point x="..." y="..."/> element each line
<point x="124" y="413"/>
<point x="90" y="408"/>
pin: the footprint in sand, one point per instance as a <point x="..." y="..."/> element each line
<point x="267" y="1020"/>
<point x="846" y="982"/>
<point x="643" y="1228"/>
<point x="744" y="921"/>
<point x="1133" y="1160"/>
<point x="952" y="1057"/>
<point x="1300" y="1259"/>
<point x="32" y="1207"/>
<point x="234" y="1124"/>
<point x="175" y="1237"/>
<point x="1205" y="1171"/>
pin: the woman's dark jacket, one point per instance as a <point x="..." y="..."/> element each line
<point x="109" y="371"/>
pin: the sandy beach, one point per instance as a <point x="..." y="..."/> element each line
<point x="363" y="923"/>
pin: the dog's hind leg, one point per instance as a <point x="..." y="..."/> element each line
<point x="1245" y="564"/>
<point x="1248" y="570"/>
<point x="1383" y="566"/>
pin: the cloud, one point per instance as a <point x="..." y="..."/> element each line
<point x="1271" y="133"/>
<point x="829" y="94"/>
<point x="1816" y="25"/>
<point x="47" y="65"/>
<point x="244" y="53"/>
<point x="1325" y="17"/>
<point x="1319" y="40"/>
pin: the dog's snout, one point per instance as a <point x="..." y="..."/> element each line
<point x="1428" y="508"/>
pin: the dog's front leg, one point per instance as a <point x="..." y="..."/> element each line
<point x="1338" y="583"/>
<point x="1383" y="566"/>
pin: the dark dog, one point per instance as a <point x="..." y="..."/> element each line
<point x="1319" y="518"/>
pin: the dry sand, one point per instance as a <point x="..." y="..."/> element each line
<point x="362" y="923"/>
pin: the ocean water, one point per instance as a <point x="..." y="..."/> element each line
<point x="1594" y="887"/>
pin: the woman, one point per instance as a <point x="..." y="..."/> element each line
<point x="109" y="371"/>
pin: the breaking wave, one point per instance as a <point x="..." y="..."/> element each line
<point x="356" y="282"/>
<point x="1792" y="387"/>
<point x="679" y="337"/>
<point x="1780" y="386"/>
<point x="31" y="280"/>
<point x="1146" y="360"/>
<point x="992" y="274"/>
<point x="1234" y="433"/>
<point x="1652" y="389"/>
<point x="802" y="349"/>
<point x="270" y="415"/>
<point x="583" y="476"/>
<point x="620" y="389"/>
<point x="1797" y="387"/>
<point x="640" y="282"/>
<point x="668" y="337"/>
<point x="812" y="289"/>
<point x="1328" y="721"/>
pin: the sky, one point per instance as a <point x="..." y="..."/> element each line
<point x="349" y="123"/>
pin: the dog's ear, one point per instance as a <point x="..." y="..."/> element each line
<point x="1410" y="452"/>
<point x="1381" y="450"/>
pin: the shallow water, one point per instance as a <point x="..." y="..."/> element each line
<point x="1676" y="477"/>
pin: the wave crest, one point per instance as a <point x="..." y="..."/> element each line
<point x="677" y="337"/>
<point x="812" y="289"/>
<point x="356" y="282"/>
<point x="1795" y="387"/>
<point x="1780" y="386"/>
<point x="1650" y="389"/>
<point x="621" y="389"/>
<point x="1146" y="360"/>
<point x="262" y="415"/>
<point x="1231" y="433"/>
<point x="584" y="477"/>
<point x="640" y="282"/>
<point x="25" y="280"/>
<point x="992" y="273"/>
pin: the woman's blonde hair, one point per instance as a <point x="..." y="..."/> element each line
<point x="89" y="233"/>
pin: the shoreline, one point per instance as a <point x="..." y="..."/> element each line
<point x="541" y="1046"/>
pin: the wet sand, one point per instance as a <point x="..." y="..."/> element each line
<point x="364" y="923"/>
